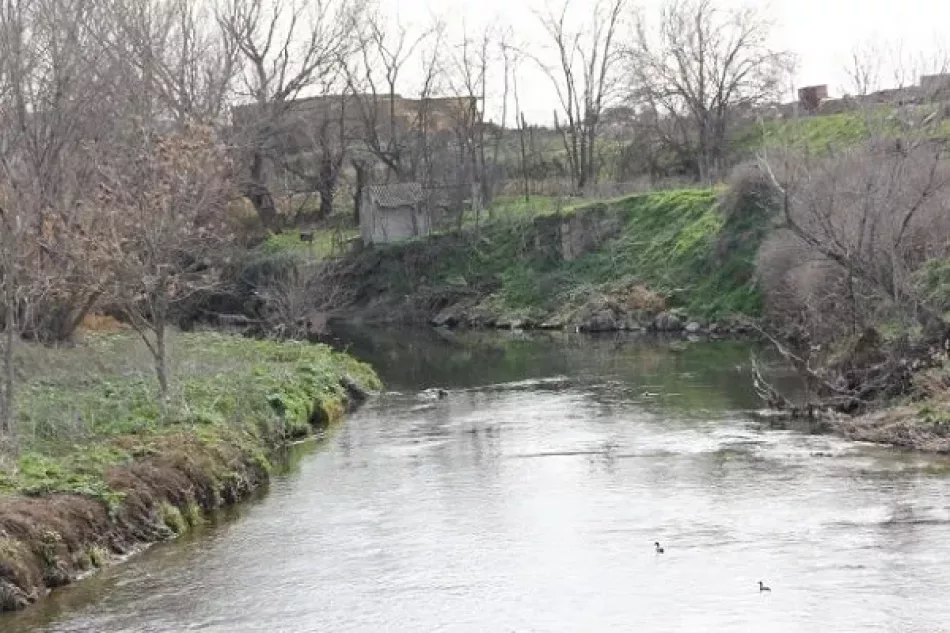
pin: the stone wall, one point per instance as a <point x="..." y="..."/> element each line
<point x="586" y="230"/>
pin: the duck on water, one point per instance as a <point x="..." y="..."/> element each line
<point x="659" y="550"/>
<point x="435" y="394"/>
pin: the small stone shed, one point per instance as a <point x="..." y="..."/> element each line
<point x="393" y="213"/>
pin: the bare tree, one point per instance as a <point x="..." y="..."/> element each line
<point x="288" y="48"/>
<point x="514" y="58"/>
<point x="373" y="75"/>
<point x="467" y="78"/>
<point x="702" y="68"/>
<point x="165" y="198"/>
<point x="909" y="67"/>
<point x="11" y="236"/>
<point x="313" y="148"/>
<point x="46" y="111"/>
<point x="861" y="234"/>
<point x="894" y="71"/>
<point x="510" y="60"/>
<point x="584" y="78"/>
<point x="425" y="143"/>
<point x="50" y="107"/>
<point x="297" y="300"/>
<point x="858" y="229"/>
<point x="865" y="68"/>
<point x="183" y="63"/>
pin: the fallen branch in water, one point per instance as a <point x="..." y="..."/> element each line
<point x="772" y="398"/>
<point x="855" y="384"/>
<point x="801" y="365"/>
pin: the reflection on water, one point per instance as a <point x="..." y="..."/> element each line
<point x="529" y="500"/>
<point x="668" y="372"/>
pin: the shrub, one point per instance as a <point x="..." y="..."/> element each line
<point x="861" y="242"/>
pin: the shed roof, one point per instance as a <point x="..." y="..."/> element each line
<point x="393" y="196"/>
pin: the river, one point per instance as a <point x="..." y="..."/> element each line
<point x="529" y="499"/>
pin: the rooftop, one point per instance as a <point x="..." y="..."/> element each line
<point x="394" y="196"/>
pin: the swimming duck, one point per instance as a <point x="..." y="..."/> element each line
<point x="659" y="550"/>
<point x="435" y="394"/>
<point x="762" y="587"/>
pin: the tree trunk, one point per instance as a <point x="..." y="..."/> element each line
<point x="327" y="186"/>
<point x="358" y="195"/>
<point x="8" y="403"/>
<point x="592" y="172"/>
<point x="705" y="167"/>
<point x="482" y="174"/>
<point x="524" y="160"/>
<point x="476" y="201"/>
<point x="263" y="203"/>
<point x="68" y="328"/>
<point x="161" y="357"/>
<point x="260" y="196"/>
<point x="326" y="204"/>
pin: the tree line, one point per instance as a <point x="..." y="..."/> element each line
<point x="677" y="81"/>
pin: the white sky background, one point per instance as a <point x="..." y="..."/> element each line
<point x="822" y="33"/>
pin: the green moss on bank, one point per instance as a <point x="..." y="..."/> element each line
<point x="103" y="466"/>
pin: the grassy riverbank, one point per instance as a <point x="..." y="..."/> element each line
<point x="602" y="266"/>
<point x="104" y="468"/>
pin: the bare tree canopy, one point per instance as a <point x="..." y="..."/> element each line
<point x="467" y="76"/>
<point x="700" y="68"/>
<point x="288" y="49"/>
<point x="873" y="215"/>
<point x="386" y="52"/>
<point x="876" y="66"/>
<point x="584" y="77"/>
<point x="184" y="61"/>
<point x="165" y="199"/>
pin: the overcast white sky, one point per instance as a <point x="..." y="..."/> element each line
<point x="822" y="33"/>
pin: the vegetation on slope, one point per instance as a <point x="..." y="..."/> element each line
<point x="669" y="244"/>
<point x="104" y="466"/>
<point x="819" y="134"/>
<point x="680" y="245"/>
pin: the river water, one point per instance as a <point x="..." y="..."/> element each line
<point x="529" y="500"/>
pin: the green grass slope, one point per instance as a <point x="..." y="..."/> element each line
<point x="676" y="243"/>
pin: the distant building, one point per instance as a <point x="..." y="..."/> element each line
<point x="810" y="97"/>
<point x="394" y="213"/>
<point x="935" y="84"/>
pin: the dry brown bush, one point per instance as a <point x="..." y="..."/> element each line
<point x="856" y="227"/>
<point x="298" y="300"/>
<point x="641" y="299"/>
<point x="933" y="384"/>
<point x="100" y="323"/>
